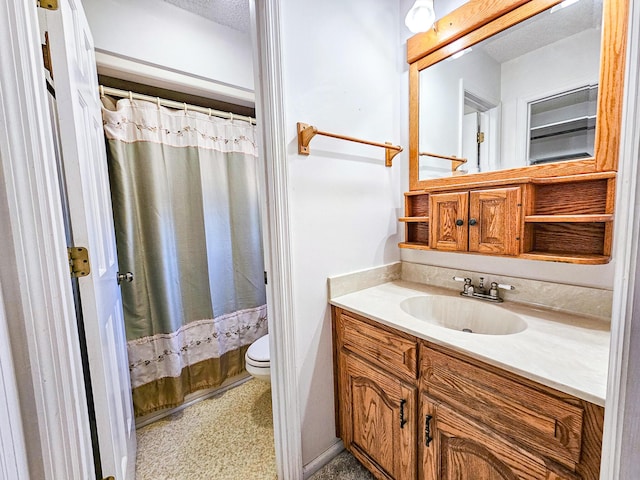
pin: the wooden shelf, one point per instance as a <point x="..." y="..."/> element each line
<point x="588" y="218"/>
<point x="413" y="219"/>
<point x="567" y="258"/>
<point x="414" y="245"/>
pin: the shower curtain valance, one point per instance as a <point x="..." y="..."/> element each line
<point x="140" y="121"/>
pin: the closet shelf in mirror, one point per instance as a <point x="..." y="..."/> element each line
<point x="563" y="127"/>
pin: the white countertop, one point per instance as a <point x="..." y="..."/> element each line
<point x="563" y="351"/>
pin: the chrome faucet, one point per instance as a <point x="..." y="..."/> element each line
<point x="492" y="295"/>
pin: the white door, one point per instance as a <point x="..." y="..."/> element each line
<point x="470" y="141"/>
<point x="84" y="160"/>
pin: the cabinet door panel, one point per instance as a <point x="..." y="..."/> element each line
<point x="464" y="450"/>
<point x="494" y="221"/>
<point x="378" y="419"/>
<point x="448" y="221"/>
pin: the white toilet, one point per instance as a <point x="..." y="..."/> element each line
<point x="258" y="360"/>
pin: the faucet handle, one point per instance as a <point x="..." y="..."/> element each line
<point x="462" y="279"/>
<point x="493" y="291"/>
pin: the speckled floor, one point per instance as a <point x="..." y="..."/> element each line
<point x="226" y="437"/>
<point x="343" y="467"/>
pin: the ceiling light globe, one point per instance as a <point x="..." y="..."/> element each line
<point x="421" y="16"/>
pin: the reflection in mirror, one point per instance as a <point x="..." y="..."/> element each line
<point x="525" y="96"/>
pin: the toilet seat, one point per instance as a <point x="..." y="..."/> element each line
<point x="258" y="352"/>
<point x="257" y="359"/>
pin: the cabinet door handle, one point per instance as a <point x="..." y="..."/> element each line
<point x="472" y="222"/>
<point x="402" y="419"/>
<point x="427" y="430"/>
<point x="459" y="222"/>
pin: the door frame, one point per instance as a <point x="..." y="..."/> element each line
<point x="621" y="440"/>
<point x="270" y="111"/>
<point x="34" y="270"/>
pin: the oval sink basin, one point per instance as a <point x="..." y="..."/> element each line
<point x="463" y="314"/>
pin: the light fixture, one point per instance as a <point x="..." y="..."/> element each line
<point x="460" y="53"/>
<point x="562" y="5"/>
<point x="421" y="16"/>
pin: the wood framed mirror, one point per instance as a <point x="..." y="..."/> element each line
<point x="482" y="20"/>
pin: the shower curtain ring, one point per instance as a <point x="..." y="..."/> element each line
<point x="158" y="102"/>
<point x="231" y="116"/>
<point x="130" y="96"/>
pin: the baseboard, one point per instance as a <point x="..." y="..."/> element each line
<point x="321" y="460"/>
<point x="194" y="398"/>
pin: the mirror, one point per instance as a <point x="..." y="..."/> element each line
<point x="527" y="95"/>
<point x="525" y="132"/>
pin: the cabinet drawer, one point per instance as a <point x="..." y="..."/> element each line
<point x="389" y="350"/>
<point x="529" y="416"/>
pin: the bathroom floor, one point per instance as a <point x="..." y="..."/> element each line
<point x="229" y="437"/>
<point x="343" y="467"/>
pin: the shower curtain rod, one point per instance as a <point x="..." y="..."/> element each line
<point x="116" y="92"/>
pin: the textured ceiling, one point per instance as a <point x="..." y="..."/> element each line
<point x="231" y="13"/>
<point x="544" y="29"/>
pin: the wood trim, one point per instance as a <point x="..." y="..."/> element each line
<point x="488" y="27"/>
<point x="461" y="21"/>
<point x="612" y="65"/>
<point x="414" y="129"/>
<point x="266" y="16"/>
<point x="568" y="218"/>
<point x="609" y="104"/>
<point x="566" y="258"/>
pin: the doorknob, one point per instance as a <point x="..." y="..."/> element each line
<point x="125" y="277"/>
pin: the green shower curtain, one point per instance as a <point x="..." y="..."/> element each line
<point x="186" y="211"/>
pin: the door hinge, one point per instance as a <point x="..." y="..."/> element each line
<point x="480" y="137"/>
<point x="78" y="261"/>
<point x="265" y="278"/>
<point x="46" y="54"/>
<point x="47" y="4"/>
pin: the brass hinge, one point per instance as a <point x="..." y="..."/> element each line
<point x="46" y="54"/>
<point x="48" y="4"/>
<point x="480" y="137"/>
<point x="78" y="261"/>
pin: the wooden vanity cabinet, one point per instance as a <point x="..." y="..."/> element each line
<point x="376" y="371"/>
<point x="410" y="409"/>
<point x="503" y="422"/>
<point x="482" y="221"/>
<point x="455" y="447"/>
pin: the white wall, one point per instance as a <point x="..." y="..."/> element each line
<point x="158" y="33"/>
<point x="442" y="105"/>
<point x="341" y="75"/>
